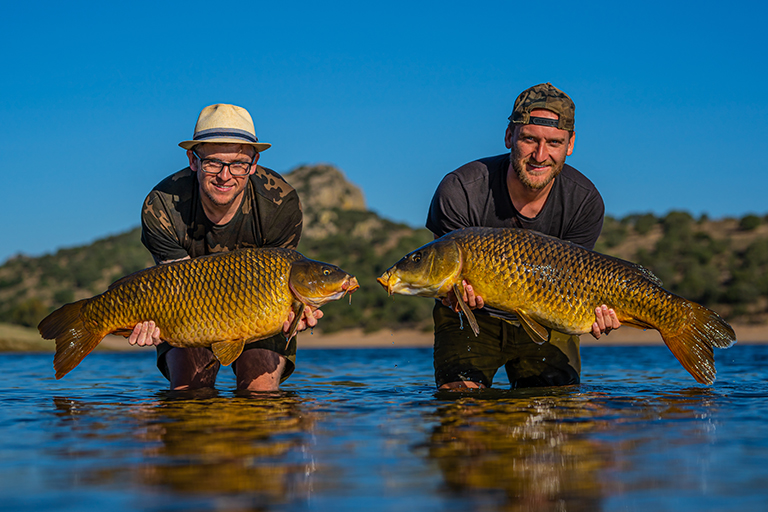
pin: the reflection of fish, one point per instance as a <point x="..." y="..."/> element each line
<point x="220" y="301"/>
<point x="548" y="282"/>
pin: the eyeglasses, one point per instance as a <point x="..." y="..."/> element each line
<point x="213" y="166"/>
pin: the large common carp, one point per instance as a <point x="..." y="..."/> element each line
<point x="550" y="283"/>
<point x="220" y="301"/>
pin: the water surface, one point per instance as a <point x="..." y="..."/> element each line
<point x="366" y="430"/>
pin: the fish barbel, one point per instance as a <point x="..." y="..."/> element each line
<point x="222" y="301"/>
<point x="550" y="283"/>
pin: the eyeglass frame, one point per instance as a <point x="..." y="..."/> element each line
<point x="228" y="165"/>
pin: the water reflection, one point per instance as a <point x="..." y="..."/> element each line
<point x="200" y="443"/>
<point x="547" y="449"/>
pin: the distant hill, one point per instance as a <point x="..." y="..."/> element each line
<point x="720" y="263"/>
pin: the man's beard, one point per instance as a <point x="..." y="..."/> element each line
<point x="519" y="168"/>
<point x="218" y="202"/>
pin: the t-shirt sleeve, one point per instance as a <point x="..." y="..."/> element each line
<point x="157" y="232"/>
<point x="284" y="227"/>
<point x="588" y="222"/>
<point x="449" y="209"/>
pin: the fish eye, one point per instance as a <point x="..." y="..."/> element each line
<point x="326" y="272"/>
<point x="416" y="257"/>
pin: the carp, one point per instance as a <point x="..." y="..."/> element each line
<point x="221" y="301"/>
<point x="550" y="283"/>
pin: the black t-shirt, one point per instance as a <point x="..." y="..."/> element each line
<point x="476" y="195"/>
<point x="174" y="224"/>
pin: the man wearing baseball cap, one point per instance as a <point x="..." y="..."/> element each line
<point x="223" y="201"/>
<point x="530" y="187"/>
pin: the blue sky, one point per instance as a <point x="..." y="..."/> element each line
<point x="671" y="101"/>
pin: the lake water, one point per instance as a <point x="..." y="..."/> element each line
<point x="366" y="430"/>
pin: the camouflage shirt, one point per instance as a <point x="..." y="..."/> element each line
<point x="174" y="224"/>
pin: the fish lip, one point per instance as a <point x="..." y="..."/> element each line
<point x="351" y="285"/>
<point x="384" y="281"/>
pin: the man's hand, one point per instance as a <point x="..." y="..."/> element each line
<point x="145" y="334"/>
<point x="472" y="300"/>
<point x="309" y="319"/>
<point x="605" y="321"/>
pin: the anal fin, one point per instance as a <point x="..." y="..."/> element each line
<point x="465" y="309"/>
<point x="535" y="330"/>
<point x="227" y="351"/>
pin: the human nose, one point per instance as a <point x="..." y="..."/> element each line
<point x="540" y="153"/>
<point x="225" y="172"/>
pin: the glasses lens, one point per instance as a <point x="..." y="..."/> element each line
<point x="239" y="168"/>
<point x="212" y="166"/>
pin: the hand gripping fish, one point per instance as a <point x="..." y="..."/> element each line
<point x="549" y="283"/>
<point x="222" y="301"/>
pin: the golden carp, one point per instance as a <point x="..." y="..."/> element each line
<point x="550" y="283"/>
<point x="220" y="301"/>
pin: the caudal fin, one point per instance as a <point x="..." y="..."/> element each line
<point x="693" y="345"/>
<point x="73" y="340"/>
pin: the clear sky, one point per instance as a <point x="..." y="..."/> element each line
<point x="671" y="99"/>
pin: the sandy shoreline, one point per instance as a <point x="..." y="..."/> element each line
<point x="406" y="338"/>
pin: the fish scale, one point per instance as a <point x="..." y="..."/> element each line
<point x="219" y="301"/>
<point x="549" y="283"/>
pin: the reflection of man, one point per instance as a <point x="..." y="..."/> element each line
<point x="530" y="188"/>
<point x="221" y="202"/>
<point x="532" y="453"/>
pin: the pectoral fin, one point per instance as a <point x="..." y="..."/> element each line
<point x="298" y="311"/>
<point x="535" y="330"/>
<point x="465" y="309"/>
<point x="227" y="351"/>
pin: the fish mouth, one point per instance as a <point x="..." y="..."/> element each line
<point x="384" y="281"/>
<point x="350" y="286"/>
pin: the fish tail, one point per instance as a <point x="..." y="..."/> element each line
<point x="692" y="346"/>
<point x="73" y="340"/>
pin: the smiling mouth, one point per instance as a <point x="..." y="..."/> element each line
<point x="222" y="187"/>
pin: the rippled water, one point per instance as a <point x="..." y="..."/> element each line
<point x="365" y="430"/>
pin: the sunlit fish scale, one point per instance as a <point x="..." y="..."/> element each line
<point x="220" y="301"/>
<point x="549" y="283"/>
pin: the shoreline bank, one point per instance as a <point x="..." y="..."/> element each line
<point x="18" y="339"/>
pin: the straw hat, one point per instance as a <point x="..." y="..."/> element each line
<point x="225" y="124"/>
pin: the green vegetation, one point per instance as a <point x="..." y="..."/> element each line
<point x="30" y="288"/>
<point x="749" y="222"/>
<point x="367" y="257"/>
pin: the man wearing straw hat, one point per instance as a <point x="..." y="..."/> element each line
<point x="221" y="202"/>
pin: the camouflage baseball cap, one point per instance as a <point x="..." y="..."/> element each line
<point x="548" y="97"/>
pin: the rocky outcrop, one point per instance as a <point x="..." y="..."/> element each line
<point x="324" y="187"/>
<point x="324" y="192"/>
